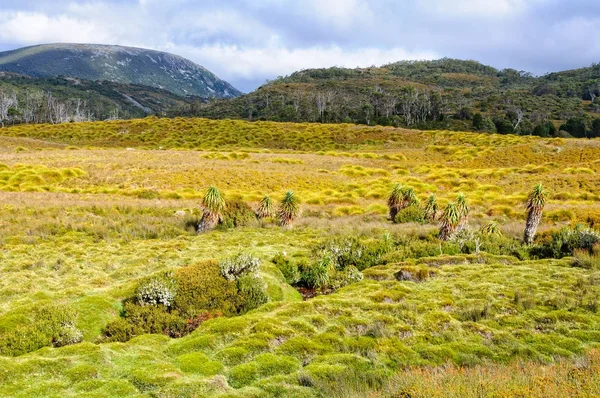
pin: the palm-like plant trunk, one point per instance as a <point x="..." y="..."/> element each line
<point x="447" y="231"/>
<point x="209" y="221"/>
<point x="393" y="212"/>
<point x="533" y="220"/>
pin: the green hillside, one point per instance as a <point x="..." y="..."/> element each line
<point x="446" y="93"/>
<point x="41" y="100"/>
<point x="124" y="65"/>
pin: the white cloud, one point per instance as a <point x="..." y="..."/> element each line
<point x="235" y="62"/>
<point x="470" y="8"/>
<point x="35" y="28"/>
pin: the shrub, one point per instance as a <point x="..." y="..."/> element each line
<point x="238" y="266"/>
<point x="67" y="334"/>
<point x="350" y="251"/>
<point x="201" y="287"/>
<point x="562" y="243"/>
<point x="411" y="213"/>
<point x="50" y="325"/>
<point x="156" y="290"/>
<point x="145" y="319"/>
<point x="237" y="214"/>
<point x="345" y="277"/>
<point x="316" y="276"/>
<point x="288" y="268"/>
<point x="251" y="293"/>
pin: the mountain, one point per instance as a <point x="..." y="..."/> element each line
<point x="440" y="94"/>
<point x="124" y="65"/>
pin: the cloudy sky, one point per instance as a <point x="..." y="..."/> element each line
<point x="249" y="41"/>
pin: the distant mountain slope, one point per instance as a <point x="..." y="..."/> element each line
<point x="126" y="65"/>
<point x="441" y="94"/>
<point x="26" y="99"/>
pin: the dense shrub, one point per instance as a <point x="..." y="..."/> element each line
<point x="156" y="290"/>
<point x="197" y="293"/>
<point x="350" y="251"/>
<point x="201" y="287"/>
<point x="562" y="243"/>
<point x="235" y="267"/>
<point x="288" y="268"/>
<point x="410" y="214"/>
<point x="251" y="293"/>
<point x="143" y="319"/>
<point x="237" y="214"/>
<point x="50" y="325"/>
<point x="316" y="275"/>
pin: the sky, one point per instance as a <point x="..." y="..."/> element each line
<point x="247" y="42"/>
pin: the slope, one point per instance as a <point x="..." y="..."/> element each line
<point x="125" y="65"/>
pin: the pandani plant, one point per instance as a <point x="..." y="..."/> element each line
<point x="491" y="229"/>
<point x="409" y="198"/>
<point x="289" y="209"/>
<point x="462" y="206"/>
<point x="536" y="200"/>
<point x="266" y="208"/>
<point x="431" y="208"/>
<point x="213" y="205"/>
<point x="395" y="201"/>
<point x="450" y="221"/>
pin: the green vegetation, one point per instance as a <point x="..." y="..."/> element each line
<point x="445" y="94"/>
<point x="108" y="290"/>
<point x="60" y="99"/>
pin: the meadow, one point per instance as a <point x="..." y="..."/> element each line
<point x="90" y="211"/>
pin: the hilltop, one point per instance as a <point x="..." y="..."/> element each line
<point x="442" y="94"/>
<point x="123" y="65"/>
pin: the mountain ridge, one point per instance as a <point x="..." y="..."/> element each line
<point x="119" y="64"/>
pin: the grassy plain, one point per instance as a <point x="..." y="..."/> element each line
<point x="87" y="210"/>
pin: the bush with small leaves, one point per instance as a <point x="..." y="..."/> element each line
<point x="50" y="325"/>
<point x="201" y="287"/>
<point x="412" y="213"/>
<point x="157" y="290"/>
<point x="252" y="293"/>
<point x="562" y="243"/>
<point x="288" y="268"/>
<point x="237" y="214"/>
<point x="235" y="267"/>
<point x="138" y="320"/>
<point x="67" y="334"/>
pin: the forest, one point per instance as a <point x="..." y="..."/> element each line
<point x="442" y="94"/>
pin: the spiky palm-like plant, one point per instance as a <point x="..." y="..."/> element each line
<point x="491" y="229"/>
<point x="450" y="221"/>
<point x="431" y="208"/>
<point x="213" y="205"/>
<point x="289" y="209"/>
<point x="462" y="206"/>
<point x="535" y="205"/>
<point x="395" y="201"/>
<point x="409" y="198"/>
<point x="265" y="208"/>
